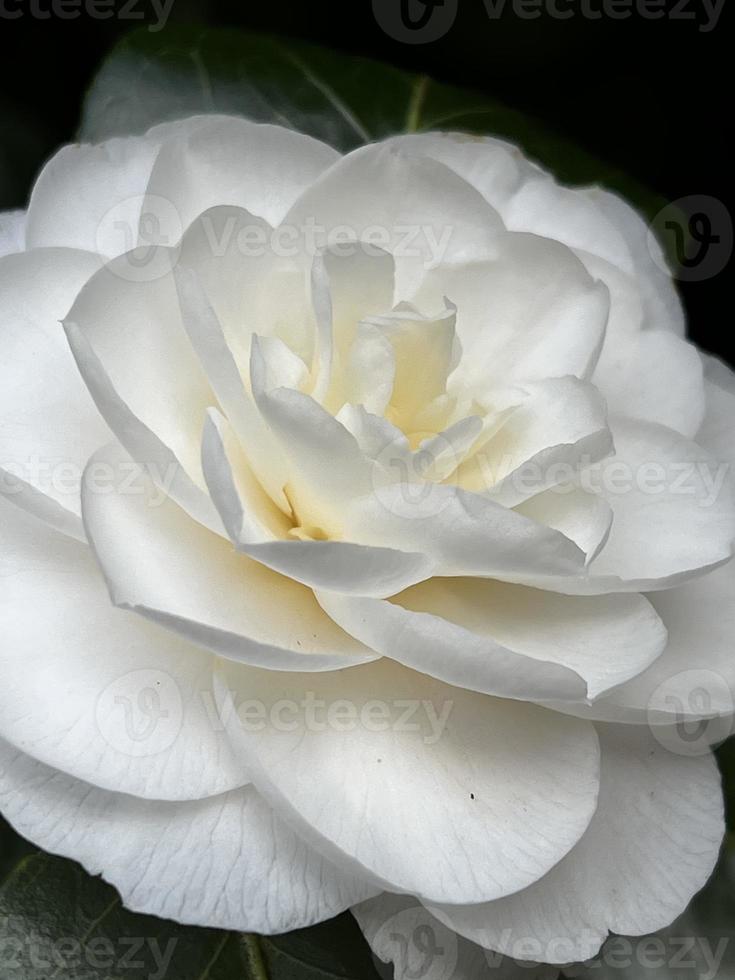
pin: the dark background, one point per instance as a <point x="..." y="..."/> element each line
<point x="649" y="96"/>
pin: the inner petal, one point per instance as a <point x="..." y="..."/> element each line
<point x="425" y="351"/>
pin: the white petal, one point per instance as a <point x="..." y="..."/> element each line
<point x="496" y="168"/>
<point x="597" y="222"/>
<point x="463" y="533"/>
<point x="585" y="518"/>
<point x="651" y="845"/>
<point x="248" y="512"/>
<point x="96" y="692"/>
<point x="417" y="338"/>
<point x="17" y="491"/>
<point x="160" y="563"/>
<point x="135" y="330"/>
<point x="661" y="304"/>
<point x="208" y="339"/>
<point x="142" y="443"/>
<point x="594" y="222"/>
<point x="90" y="197"/>
<point x="695" y="676"/>
<point x="717" y="433"/>
<point x="370" y="370"/>
<point x="504" y="789"/>
<point x="255" y="528"/>
<point x="376" y="436"/>
<point x="568" y="215"/>
<point x="655" y="376"/>
<point x="249" y="285"/>
<point x="558" y="425"/>
<point x="257" y="284"/>
<point x="227" y="862"/>
<point x="227" y="160"/>
<point x="314" y="443"/>
<point x="49" y="425"/>
<point x="361" y="283"/>
<point x="349" y="569"/>
<point x="673" y="517"/>
<point x="625" y="320"/>
<point x="321" y="301"/>
<point x="415" y="208"/>
<point x="346" y="283"/>
<point x="12" y="232"/>
<point x="437" y="456"/>
<point x="283" y="368"/>
<point x="508" y="640"/>
<point x="533" y="312"/>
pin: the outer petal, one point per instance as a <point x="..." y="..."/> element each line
<point x="673" y="514"/>
<point x="225" y="160"/>
<point x="655" y="376"/>
<point x="12" y="232"/>
<point x="227" y="862"/>
<point x="717" y="433"/>
<point x="49" y="424"/>
<point x="694" y="679"/>
<point x="503" y="789"/>
<point x="651" y="845"/>
<point x="496" y="168"/>
<point x="162" y="564"/>
<point x="592" y="221"/>
<point x="569" y="215"/>
<point x="507" y="640"/>
<point x="144" y="446"/>
<point x="134" y="329"/>
<point x="414" y="208"/>
<point x="91" y="196"/>
<point x="99" y="693"/>
<point x="661" y="303"/>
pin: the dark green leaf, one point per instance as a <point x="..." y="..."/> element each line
<point x="12" y="849"/>
<point x="726" y="758"/>
<point x="344" y="100"/>
<point x="59" y="923"/>
<point x="332" y="951"/>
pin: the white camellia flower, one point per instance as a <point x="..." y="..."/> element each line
<point x="366" y="526"/>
